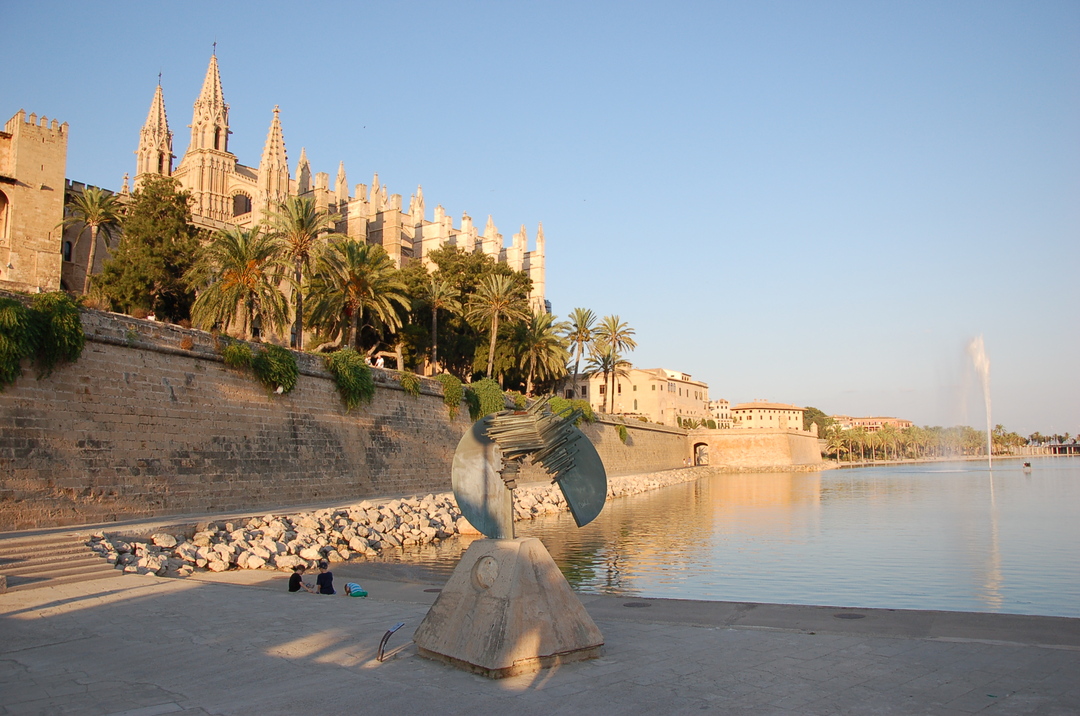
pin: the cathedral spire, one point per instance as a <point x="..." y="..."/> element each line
<point x="273" y="175"/>
<point x="341" y="186"/>
<point x="210" y="120"/>
<point x="155" y="141"/>
<point x="303" y="173"/>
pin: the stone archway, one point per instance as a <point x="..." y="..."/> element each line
<point x="701" y="453"/>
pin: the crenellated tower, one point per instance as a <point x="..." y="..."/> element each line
<point x="155" y="155"/>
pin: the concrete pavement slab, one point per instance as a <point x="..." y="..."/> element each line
<point x="238" y="643"/>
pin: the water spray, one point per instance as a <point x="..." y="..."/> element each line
<point x="977" y="351"/>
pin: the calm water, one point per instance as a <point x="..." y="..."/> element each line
<point x="951" y="536"/>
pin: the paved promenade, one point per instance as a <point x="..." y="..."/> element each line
<point x="238" y="643"/>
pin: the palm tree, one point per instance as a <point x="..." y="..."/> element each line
<point x="608" y="362"/>
<point x="302" y="228"/>
<point x="442" y="295"/>
<point x="237" y="271"/>
<point x="496" y="298"/>
<point x="97" y="210"/>
<point x="834" y="438"/>
<point x="541" y="348"/>
<point x="579" y="333"/>
<point x="619" y="336"/>
<point x="353" y="278"/>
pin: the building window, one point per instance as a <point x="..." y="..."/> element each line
<point x="584" y="390"/>
<point x="67" y="251"/>
<point x="603" y="390"/>
<point x="241" y="204"/>
<point x="635" y="403"/>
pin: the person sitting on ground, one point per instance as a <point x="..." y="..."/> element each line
<point x="325" y="580"/>
<point x="296" y="581"/>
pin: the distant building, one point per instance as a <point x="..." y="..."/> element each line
<point x="870" y="425"/>
<point x="659" y="395"/>
<point x="763" y="414"/>
<point x="720" y="410"/>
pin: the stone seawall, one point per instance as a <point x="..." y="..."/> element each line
<point x="149" y="422"/>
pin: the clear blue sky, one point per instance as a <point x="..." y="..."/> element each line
<point x="814" y="203"/>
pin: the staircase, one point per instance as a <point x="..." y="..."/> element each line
<point x="48" y="560"/>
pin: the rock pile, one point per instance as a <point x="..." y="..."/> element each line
<point x="336" y="535"/>
<point x="286" y="541"/>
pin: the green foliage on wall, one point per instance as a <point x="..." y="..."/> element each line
<point x="49" y="330"/>
<point x="273" y="366"/>
<point x="563" y="408"/>
<point x="410" y="383"/>
<point x="453" y="392"/>
<point x="488" y="396"/>
<point x="711" y="424"/>
<point x="518" y="399"/>
<point x="237" y="355"/>
<point x="624" y="435"/>
<point x="276" y="368"/>
<point x="352" y="377"/>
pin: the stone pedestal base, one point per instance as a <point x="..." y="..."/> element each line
<point x="507" y="610"/>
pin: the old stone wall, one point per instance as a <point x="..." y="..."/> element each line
<point x="149" y="422"/>
<point x="758" y="447"/>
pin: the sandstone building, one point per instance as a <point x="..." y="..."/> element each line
<point x="225" y="192"/>
<point x="763" y="414"/>
<point x="657" y="394"/>
<point x="870" y="424"/>
<point x="33" y="158"/>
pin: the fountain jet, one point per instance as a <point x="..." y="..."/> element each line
<point x="977" y="351"/>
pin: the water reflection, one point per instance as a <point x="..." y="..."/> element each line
<point x="944" y="536"/>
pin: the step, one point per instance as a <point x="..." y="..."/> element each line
<point x="19" y="566"/>
<point x="68" y="548"/>
<point x="9" y="544"/>
<point x="21" y="584"/>
<point x="46" y="572"/>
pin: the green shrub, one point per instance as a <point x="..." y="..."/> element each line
<point x="711" y="424"/>
<point x="237" y="355"/>
<point x="352" y="375"/>
<point x="61" y="337"/>
<point x="453" y="392"/>
<point x="50" y="331"/>
<point x="410" y="383"/>
<point x="489" y="398"/>
<point x="18" y="339"/>
<point x="275" y="367"/>
<point x="563" y="408"/>
<point x="518" y="399"/>
<point x="623" y="434"/>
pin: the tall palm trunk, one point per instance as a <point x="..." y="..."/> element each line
<point x="299" y="325"/>
<point x="434" y="338"/>
<point x="491" y="346"/>
<point x="90" y="258"/>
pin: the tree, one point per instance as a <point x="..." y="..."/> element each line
<point x="495" y="299"/>
<point x="618" y="336"/>
<point x="237" y="271"/>
<point x="301" y="227"/>
<point x="442" y="296"/>
<point x="149" y="268"/>
<point x="353" y="278"/>
<point x="540" y="348"/>
<point x="834" y="440"/>
<point x="579" y="334"/>
<point x="814" y="415"/>
<point x="97" y="210"/>
<point x="606" y="361"/>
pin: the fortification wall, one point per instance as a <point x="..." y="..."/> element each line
<point x="758" y="447"/>
<point x="141" y="426"/>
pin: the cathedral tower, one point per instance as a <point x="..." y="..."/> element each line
<point x="155" y="155"/>
<point x="207" y="167"/>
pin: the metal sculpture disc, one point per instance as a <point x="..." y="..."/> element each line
<point x="489" y="456"/>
